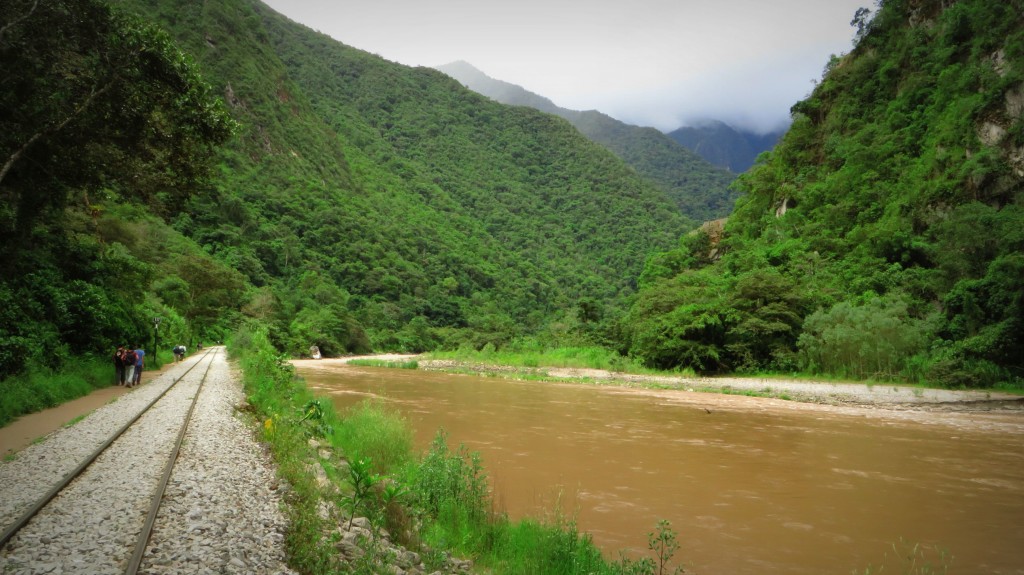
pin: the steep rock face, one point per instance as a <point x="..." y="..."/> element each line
<point x="895" y="199"/>
<point x="996" y="131"/>
<point x="700" y="189"/>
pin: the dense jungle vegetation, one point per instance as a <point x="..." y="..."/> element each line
<point x="374" y="205"/>
<point x="701" y="190"/>
<point x="106" y="131"/>
<point x="884" y="236"/>
<point x="354" y="203"/>
<point x="341" y="199"/>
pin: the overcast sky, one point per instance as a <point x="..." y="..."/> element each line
<point x="661" y="63"/>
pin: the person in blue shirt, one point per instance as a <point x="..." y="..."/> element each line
<point x="140" y="361"/>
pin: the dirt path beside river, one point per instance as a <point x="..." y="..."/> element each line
<point x="21" y="432"/>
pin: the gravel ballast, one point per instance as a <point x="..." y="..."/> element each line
<point x="219" y="513"/>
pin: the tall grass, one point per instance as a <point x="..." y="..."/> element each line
<point x="451" y="489"/>
<point x="41" y="388"/>
<point x="583" y="357"/>
<point x="412" y="364"/>
<point x="277" y="397"/>
<point x="371" y="430"/>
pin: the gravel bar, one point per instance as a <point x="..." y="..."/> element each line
<point x="219" y="489"/>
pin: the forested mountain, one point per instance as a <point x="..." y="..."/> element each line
<point x="884" y="235"/>
<point x="699" y="189"/>
<point x="353" y="203"/>
<point x="725" y="146"/>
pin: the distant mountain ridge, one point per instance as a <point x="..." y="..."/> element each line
<point x="700" y="189"/>
<point x="499" y="90"/>
<point x="725" y="146"/>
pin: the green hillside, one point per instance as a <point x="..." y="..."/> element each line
<point x="442" y="209"/>
<point x="268" y="172"/>
<point x="884" y="236"/>
<point x="348" y="201"/>
<point x="725" y="146"/>
<point x="699" y="189"/>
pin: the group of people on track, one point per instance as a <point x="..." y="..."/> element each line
<point x="128" y="364"/>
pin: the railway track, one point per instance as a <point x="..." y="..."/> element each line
<point x="96" y="502"/>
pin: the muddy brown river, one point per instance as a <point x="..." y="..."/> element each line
<point x="751" y="485"/>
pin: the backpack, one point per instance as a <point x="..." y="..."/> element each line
<point x="130" y="357"/>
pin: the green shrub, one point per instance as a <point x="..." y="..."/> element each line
<point x="875" y="338"/>
<point x="451" y="481"/>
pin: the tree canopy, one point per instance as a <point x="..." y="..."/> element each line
<point x="97" y="108"/>
<point x="93" y="99"/>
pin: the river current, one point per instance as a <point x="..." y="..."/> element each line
<point x="751" y="485"/>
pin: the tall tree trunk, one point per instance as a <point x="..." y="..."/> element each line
<point x="16" y="20"/>
<point x="52" y="129"/>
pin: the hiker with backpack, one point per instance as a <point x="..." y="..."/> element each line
<point x="119" y="366"/>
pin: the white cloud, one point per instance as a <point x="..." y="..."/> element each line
<point x="660" y="63"/>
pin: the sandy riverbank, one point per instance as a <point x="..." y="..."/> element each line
<point x="806" y="391"/>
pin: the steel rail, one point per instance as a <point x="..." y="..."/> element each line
<point x="158" y="494"/>
<point x="20" y="523"/>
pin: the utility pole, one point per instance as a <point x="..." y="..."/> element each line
<point x="156" y="342"/>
